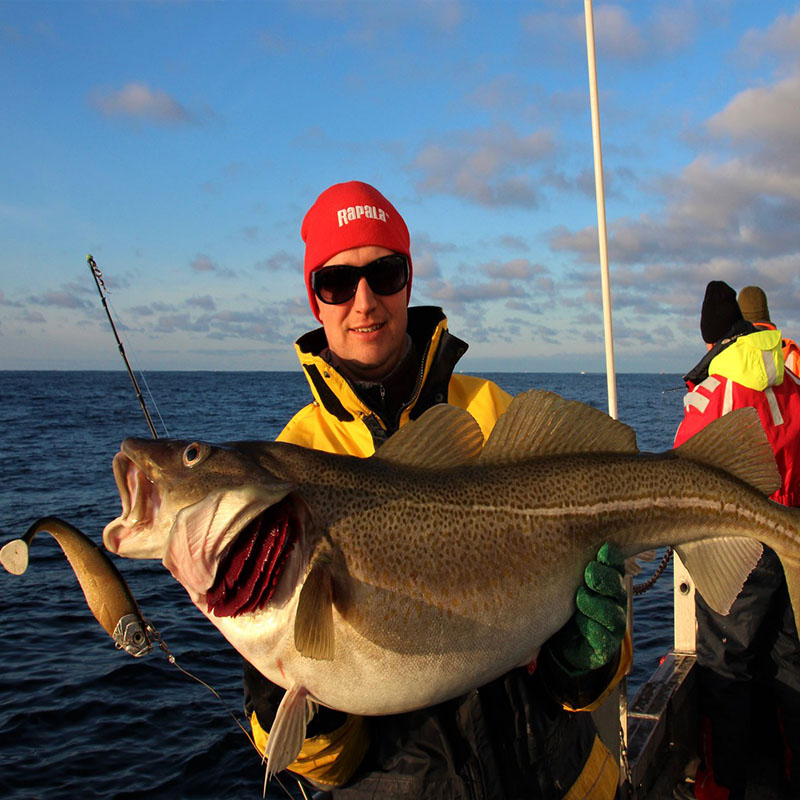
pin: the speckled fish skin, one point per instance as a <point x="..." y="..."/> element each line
<point x="442" y="578"/>
<point x="455" y="578"/>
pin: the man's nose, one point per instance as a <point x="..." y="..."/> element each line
<point x="364" y="297"/>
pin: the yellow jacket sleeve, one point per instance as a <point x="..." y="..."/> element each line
<point x="328" y="759"/>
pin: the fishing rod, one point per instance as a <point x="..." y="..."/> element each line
<point x="101" y="288"/>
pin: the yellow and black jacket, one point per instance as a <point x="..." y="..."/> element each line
<point x="512" y="738"/>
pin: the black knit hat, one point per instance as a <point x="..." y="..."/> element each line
<point x="720" y="311"/>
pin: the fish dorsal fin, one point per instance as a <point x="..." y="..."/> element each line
<point x="444" y="436"/>
<point x="719" y="567"/>
<point x="313" y="622"/>
<point x="541" y="423"/>
<point x="737" y="444"/>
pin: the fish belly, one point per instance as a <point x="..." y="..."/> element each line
<point x="418" y="657"/>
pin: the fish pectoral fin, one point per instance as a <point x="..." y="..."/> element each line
<point x="288" y="730"/>
<point x="719" y="567"/>
<point x="313" y="623"/>
<point x="14" y="556"/>
<point x="443" y="437"/>
<point x="736" y="443"/>
<point x="541" y="423"/>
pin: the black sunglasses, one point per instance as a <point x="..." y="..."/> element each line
<point x="338" y="283"/>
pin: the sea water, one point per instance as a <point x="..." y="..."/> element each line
<point x="79" y="718"/>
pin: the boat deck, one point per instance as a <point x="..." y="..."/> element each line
<point x="763" y="784"/>
<point x="662" y="732"/>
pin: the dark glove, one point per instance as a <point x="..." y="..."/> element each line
<point x="593" y="635"/>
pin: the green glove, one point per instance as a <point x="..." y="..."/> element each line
<point x="593" y="635"/>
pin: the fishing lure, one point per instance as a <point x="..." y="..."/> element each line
<point x="107" y="594"/>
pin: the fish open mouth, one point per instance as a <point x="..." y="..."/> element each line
<point x="251" y="567"/>
<point x="138" y="494"/>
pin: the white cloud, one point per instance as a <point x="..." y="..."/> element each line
<point x="781" y="41"/>
<point x="205" y="265"/>
<point x="516" y="269"/>
<point x="281" y="261"/>
<point x="139" y="101"/>
<point x="370" y="24"/>
<point x="484" y="166"/>
<point x="508" y="280"/>
<point x="618" y="37"/>
<point x="739" y="207"/>
<point x="202" y="263"/>
<point x="169" y="323"/>
<point x="674" y="26"/>
<point x="458" y="292"/>
<point x="766" y="119"/>
<point x="206" y="302"/>
<point x="5" y="302"/>
<point x="60" y="299"/>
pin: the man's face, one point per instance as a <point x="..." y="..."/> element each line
<point x="368" y="332"/>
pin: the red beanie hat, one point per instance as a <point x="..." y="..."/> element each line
<point x="349" y="215"/>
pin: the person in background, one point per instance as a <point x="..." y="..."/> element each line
<point x="753" y="304"/>
<point x="748" y="660"/>
<point x="373" y="366"/>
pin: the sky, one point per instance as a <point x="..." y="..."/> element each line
<point x="181" y="143"/>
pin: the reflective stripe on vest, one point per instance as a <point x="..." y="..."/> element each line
<point x="599" y="777"/>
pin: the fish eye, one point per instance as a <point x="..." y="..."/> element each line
<point x="194" y="454"/>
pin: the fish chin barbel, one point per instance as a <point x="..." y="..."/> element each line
<point x="107" y="594"/>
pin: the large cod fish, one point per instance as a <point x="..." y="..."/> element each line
<point x="381" y="585"/>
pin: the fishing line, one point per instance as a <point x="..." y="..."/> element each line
<point x="139" y="370"/>
<point x="158" y="639"/>
<point x="155" y="635"/>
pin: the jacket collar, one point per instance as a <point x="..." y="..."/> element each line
<point x="748" y="355"/>
<point x="439" y="352"/>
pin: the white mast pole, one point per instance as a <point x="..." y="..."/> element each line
<point x="601" y="212"/>
<point x="612" y="717"/>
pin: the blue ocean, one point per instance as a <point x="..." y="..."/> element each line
<point x="79" y="718"/>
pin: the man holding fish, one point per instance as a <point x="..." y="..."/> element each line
<point x="374" y="366"/>
<point x="440" y="571"/>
